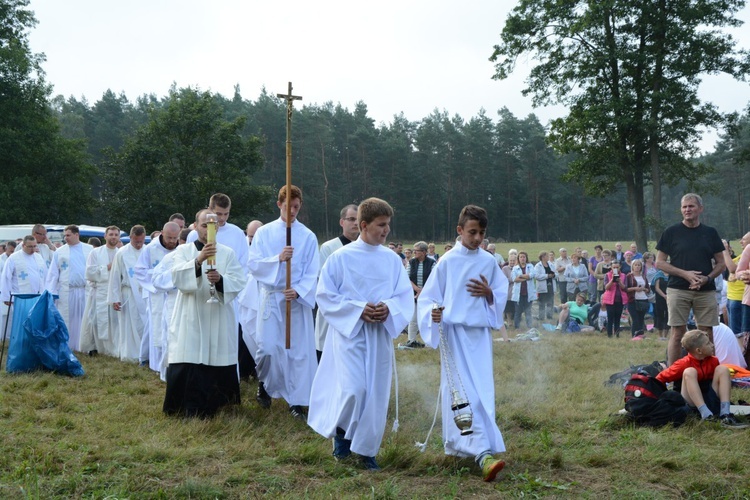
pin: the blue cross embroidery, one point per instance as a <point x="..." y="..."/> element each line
<point x="131" y="272"/>
<point x="23" y="275"/>
<point x="64" y="265"/>
<point x="156" y="263"/>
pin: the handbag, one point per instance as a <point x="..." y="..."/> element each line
<point x="642" y="306"/>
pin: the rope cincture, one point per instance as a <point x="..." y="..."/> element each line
<point x="446" y="358"/>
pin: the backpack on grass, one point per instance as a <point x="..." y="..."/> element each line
<point x="621" y="378"/>
<point x="650" y="403"/>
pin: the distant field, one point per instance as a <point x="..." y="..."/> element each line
<point x="533" y="249"/>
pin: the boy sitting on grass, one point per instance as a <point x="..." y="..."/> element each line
<point x="702" y="379"/>
<point x="472" y="290"/>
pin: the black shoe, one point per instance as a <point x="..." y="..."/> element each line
<point x="297" y="412"/>
<point x="262" y="397"/>
<point x="370" y="464"/>
<point x="93" y="352"/>
<point x="411" y="344"/>
<point x="730" y="421"/>
<point x="341" y="446"/>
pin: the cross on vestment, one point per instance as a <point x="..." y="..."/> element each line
<point x="156" y="263"/>
<point x="64" y="265"/>
<point x="131" y="272"/>
<point x="23" y="275"/>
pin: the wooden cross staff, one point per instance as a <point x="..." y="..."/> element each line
<point x="289" y="107"/>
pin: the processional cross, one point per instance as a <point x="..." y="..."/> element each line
<point x="289" y="107"/>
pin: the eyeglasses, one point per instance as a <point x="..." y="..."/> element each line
<point x="350" y="219"/>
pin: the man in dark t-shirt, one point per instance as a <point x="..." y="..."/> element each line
<point x="696" y="257"/>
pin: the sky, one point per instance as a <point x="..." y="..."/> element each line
<point x="410" y="56"/>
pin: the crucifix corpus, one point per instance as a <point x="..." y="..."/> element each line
<point x="289" y="98"/>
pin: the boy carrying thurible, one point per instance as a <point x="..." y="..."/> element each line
<point x="472" y="290"/>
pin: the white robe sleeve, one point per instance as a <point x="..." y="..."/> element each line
<point x="183" y="273"/>
<point x="52" y="283"/>
<point x="342" y="312"/>
<point x="144" y="271"/>
<point x="433" y="292"/>
<point x="114" y="292"/>
<point x="6" y="280"/>
<point x="308" y="282"/>
<point x="162" y="277"/>
<point x="94" y="271"/>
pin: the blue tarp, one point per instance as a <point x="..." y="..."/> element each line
<point x="39" y="338"/>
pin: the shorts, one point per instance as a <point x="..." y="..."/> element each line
<point x="710" y="398"/>
<point x="703" y="304"/>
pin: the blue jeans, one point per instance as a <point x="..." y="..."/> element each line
<point x="735" y="315"/>
<point x="522" y="306"/>
<point x="745" y="318"/>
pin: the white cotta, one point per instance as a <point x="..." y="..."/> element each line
<point x="199" y="332"/>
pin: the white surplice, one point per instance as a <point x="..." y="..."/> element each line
<point x="467" y="324"/>
<point x="285" y="373"/>
<point x="321" y="326"/>
<point x="66" y="278"/>
<point x="125" y="289"/>
<point x="353" y="382"/>
<point x="162" y="281"/>
<point x="247" y="314"/>
<point x="201" y="333"/>
<point x="99" y="330"/>
<point x="231" y="236"/>
<point x="152" y="347"/>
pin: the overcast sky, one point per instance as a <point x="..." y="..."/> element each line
<point x="409" y="56"/>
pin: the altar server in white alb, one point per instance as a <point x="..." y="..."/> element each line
<point x="162" y="281"/>
<point x="349" y="233"/>
<point x="24" y="272"/>
<point x="202" y="372"/>
<point x="471" y="291"/>
<point x="66" y="278"/>
<point x="153" y="253"/>
<point x="285" y="373"/>
<point x="126" y="296"/>
<point x="367" y="300"/>
<point x="247" y="305"/>
<point x="100" y="331"/>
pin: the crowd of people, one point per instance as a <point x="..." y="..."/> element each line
<point x="206" y="312"/>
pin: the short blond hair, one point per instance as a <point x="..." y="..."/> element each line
<point x="694" y="339"/>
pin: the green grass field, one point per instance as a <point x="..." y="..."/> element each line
<point x="104" y="436"/>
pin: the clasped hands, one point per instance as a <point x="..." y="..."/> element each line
<point x="696" y="279"/>
<point x="375" y="313"/>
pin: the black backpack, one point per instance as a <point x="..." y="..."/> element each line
<point x="649" y="403"/>
<point x="621" y="378"/>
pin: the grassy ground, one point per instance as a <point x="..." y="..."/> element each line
<point x="104" y="435"/>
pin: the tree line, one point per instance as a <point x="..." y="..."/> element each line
<point x="126" y="162"/>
